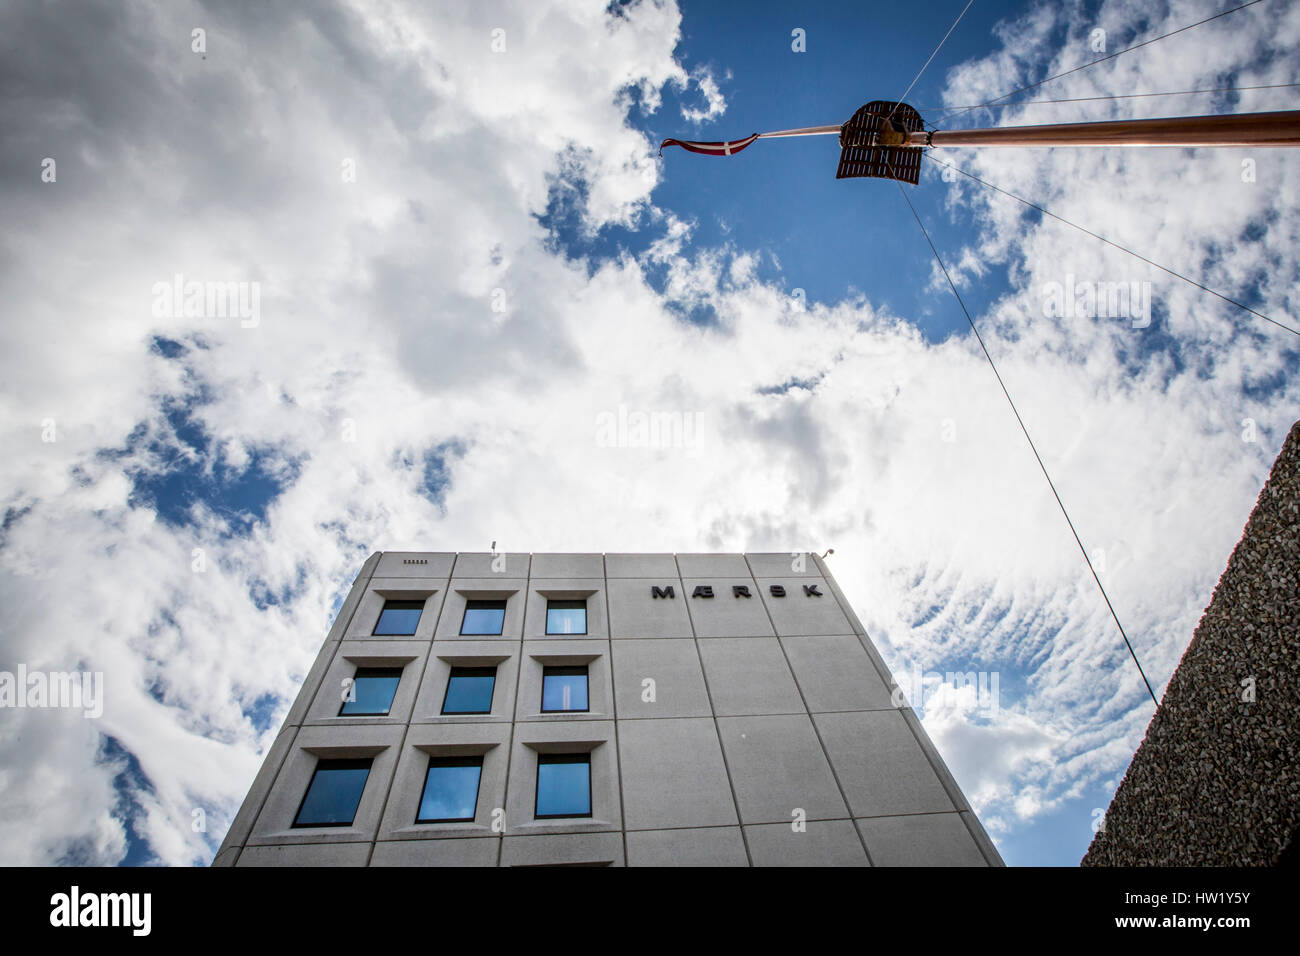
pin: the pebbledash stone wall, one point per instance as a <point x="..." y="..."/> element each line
<point x="1217" y="779"/>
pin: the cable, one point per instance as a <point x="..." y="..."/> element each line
<point x="932" y="56"/>
<point x="1116" y="96"/>
<point x="1241" y="305"/>
<point x="1032" y="447"/>
<point x="1112" y="56"/>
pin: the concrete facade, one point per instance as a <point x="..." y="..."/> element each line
<point x="741" y="718"/>
<point x="1216" y="781"/>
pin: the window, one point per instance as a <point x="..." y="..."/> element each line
<point x="399" y="617"/>
<point x="334" y="793"/>
<point x="564" y="688"/>
<point x="566" y="617"/>
<point x="450" y="789"/>
<point x="372" y="692"/>
<point x="563" y="785"/>
<point x="483" y="617"/>
<point x="469" y="690"/>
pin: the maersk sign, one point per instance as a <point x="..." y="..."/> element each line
<point x="737" y="590"/>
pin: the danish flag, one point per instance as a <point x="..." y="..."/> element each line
<point x="726" y="148"/>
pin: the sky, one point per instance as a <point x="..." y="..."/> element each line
<point x="459" y="250"/>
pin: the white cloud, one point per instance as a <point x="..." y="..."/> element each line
<point x="715" y="104"/>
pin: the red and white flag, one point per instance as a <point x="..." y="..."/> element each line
<point x="726" y="148"/>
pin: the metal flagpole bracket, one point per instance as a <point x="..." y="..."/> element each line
<point x="872" y="143"/>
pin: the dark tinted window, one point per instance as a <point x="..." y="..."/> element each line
<point x="563" y="785"/>
<point x="469" y="690"/>
<point x="564" y="688"/>
<point x="483" y="617"/>
<point x="450" y="789"/>
<point x="373" y="689"/>
<point x="399" y="617"/>
<point x="566" y="617"/>
<point x="333" y="794"/>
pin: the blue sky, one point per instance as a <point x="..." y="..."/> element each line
<point x="438" y="336"/>
<point x="830" y="238"/>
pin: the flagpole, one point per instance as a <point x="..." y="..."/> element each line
<point x="880" y="138"/>
<point x="1238" y="129"/>
<point x="805" y="131"/>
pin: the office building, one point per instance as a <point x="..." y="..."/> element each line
<point x="601" y="709"/>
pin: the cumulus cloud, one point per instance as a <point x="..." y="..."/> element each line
<point x="378" y="173"/>
<point x="715" y="104"/>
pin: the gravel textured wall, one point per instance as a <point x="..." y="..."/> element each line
<point x="1217" y="778"/>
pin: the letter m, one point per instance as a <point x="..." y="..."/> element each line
<point x="657" y="592"/>
<point x="119" y="905"/>
<point x="1116" y="297"/>
<point x="65" y="689"/>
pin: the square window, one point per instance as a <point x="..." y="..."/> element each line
<point x="563" y="785"/>
<point x="483" y="617"/>
<point x="564" y="689"/>
<point x="450" y="789"/>
<point x="334" y="793"/>
<point x="469" y="690"/>
<point x="566" y="617"/>
<point x="399" y="617"/>
<point x="372" y="692"/>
